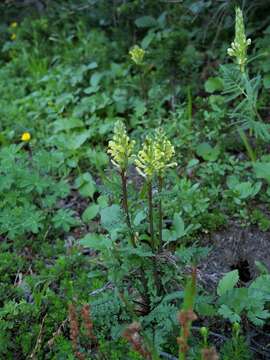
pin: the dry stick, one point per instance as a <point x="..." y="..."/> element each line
<point x="38" y="342"/>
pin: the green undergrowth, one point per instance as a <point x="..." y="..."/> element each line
<point x="68" y="76"/>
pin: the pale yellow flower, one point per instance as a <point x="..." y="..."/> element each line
<point x="13" y="36"/>
<point x="14" y="24"/>
<point x="120" y="147"/>
<point x="155" y="156"/>
<point x="240" y="44"/>
<point x="137" y="55"/>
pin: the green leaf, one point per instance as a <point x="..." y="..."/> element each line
<point x="213" y="84"/>
<point x="146" y="21"/>
<point x="178" y="225"/>
<point x="207" y="152"/>
<point x="75" y="141"/>
<point x="262" y="170"/>
<point x="92" y="65"/>
<point x="95" y="79"/>
<point x="67" y="124"/>
<point x="86" y="185"/>
<point x="90" y="212"/>
<point x="227" y="313"/>
<point x="111" y="218"/>
<point x="147" y="40"/>
<point x="266" y="81"/>
<point x="96" y="241"/>
<point x="228" y="282"/>
<point x="140" y="216"/>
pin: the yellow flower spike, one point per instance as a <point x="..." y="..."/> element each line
<point x="13" y="37"/>
<point x="155" y="156"/>
<point x="137" y="55"/>
<point x="164" y="151"/>
<point x="120" y="147"/>
<point x="14" y="24"/>
<point x="26" y="136"/>
<point x="240" y="44"/>
<point x="147" y="161"/>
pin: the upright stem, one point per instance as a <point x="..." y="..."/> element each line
<point x="143" y="88"/>
<point x="150" y="209"/>
<point x="160" y="185"/>
<point x="125" y="206"/>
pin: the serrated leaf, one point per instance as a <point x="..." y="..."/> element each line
<point x="228" y="282"/>
<point x="227" y="313"/>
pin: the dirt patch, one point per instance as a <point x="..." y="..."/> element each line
<point x="236" y="248"/>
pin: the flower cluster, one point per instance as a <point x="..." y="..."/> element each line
<point x="165" y="151"/>
<point x="120" y="147"/>
<point x="137" y="55"/>
<point x="240" y="44"/>
<point x="155" y="156"/>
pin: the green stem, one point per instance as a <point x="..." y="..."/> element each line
<point x="160" y="185"/>
<point x="150" y="209"/>
<point x="143" y="87"/>
<point x="248" y="147"/>
<point x="125" y="206"/>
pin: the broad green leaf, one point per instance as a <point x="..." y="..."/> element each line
<point x="111" y="218"/>
<point x="90" y="212"/>
<point x="207" y="152"/>
<point x="213" y="84"/>
<point x="86" y="185"/>
<point x="92" y="65"/>
<point x="146" y="21"/>
<point x="262" y="170"/>
<point x="178" y="225"/>
<point x="96" y="241"/>
<point x="266" y="81"/>
<point x="140" y="216"/>
<point x="228" y="282"/>
<point x="95" y="79"/>
<point x="67" y="124"/>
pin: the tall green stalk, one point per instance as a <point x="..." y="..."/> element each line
<point x="160" y="213"/>
<point x="125" y="206"/>
<point x="150" y="213"/>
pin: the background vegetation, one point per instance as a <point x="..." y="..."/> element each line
<point x="79" y="281"/>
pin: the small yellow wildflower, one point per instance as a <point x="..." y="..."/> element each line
<point x="14" y="24"/>
<point x="137" y="55"/>
<point x="26" y="136"/>
<point x="13" y="36"/>
<point x="120" y="147"/>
